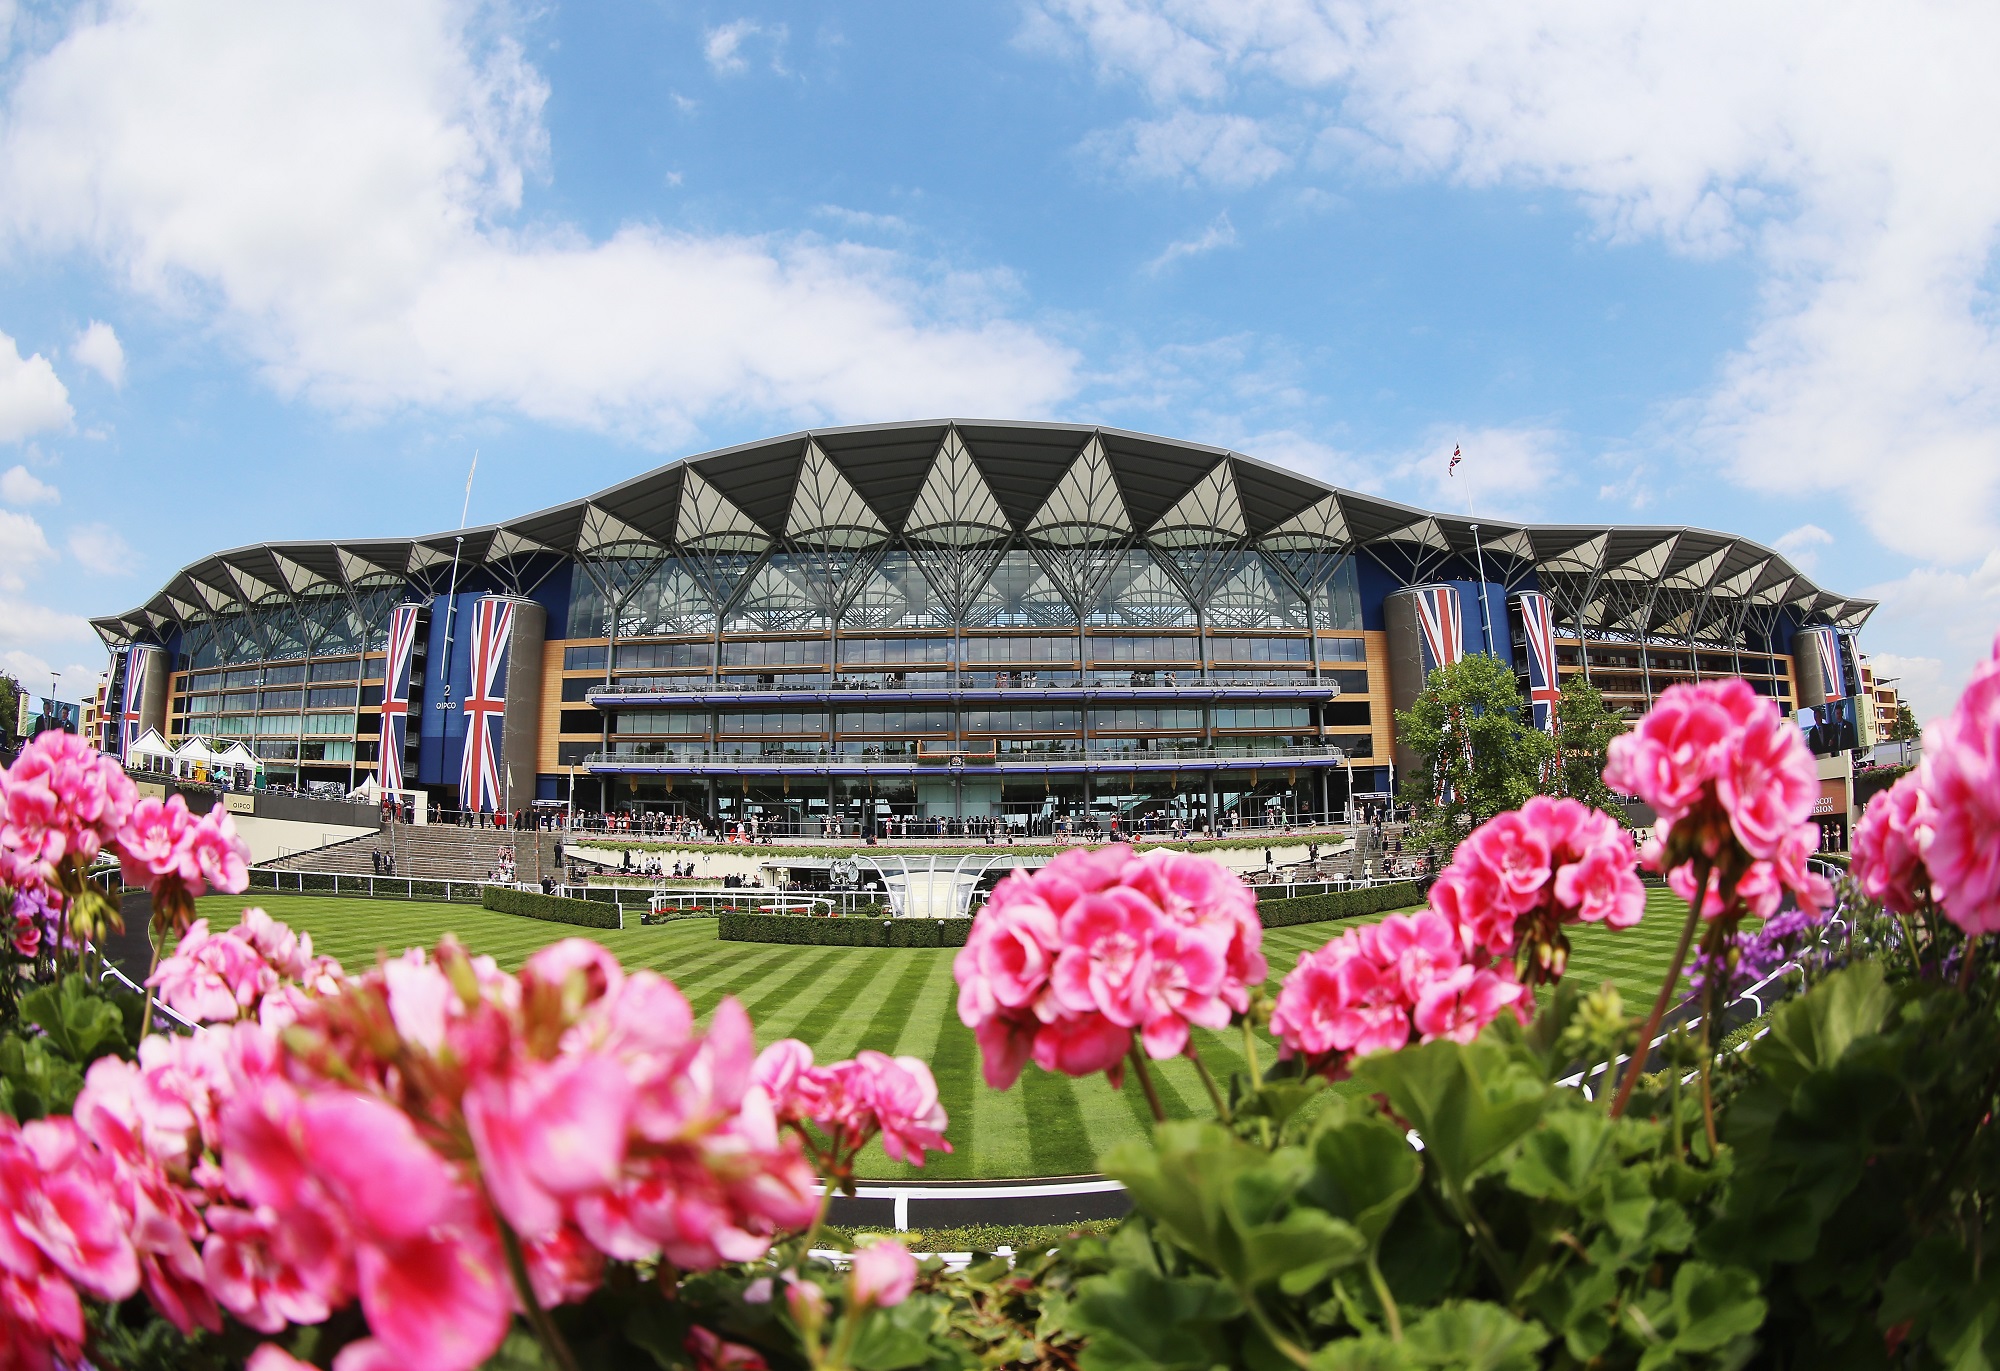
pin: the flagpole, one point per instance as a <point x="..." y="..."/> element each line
<point x="451" y="595"/>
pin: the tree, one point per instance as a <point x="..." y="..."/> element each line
<point x="1482" y="753"/>
<point x="1584" y="730"/>
<point x="1903" y="728"/>
<point x="10" y="706"/>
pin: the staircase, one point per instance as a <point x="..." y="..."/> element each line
<point x="433" y="852"/>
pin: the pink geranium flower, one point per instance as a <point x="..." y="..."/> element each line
<point x="1517" y="878"/>
<point x="1961" y="783"/>
<point x="1889" y="845"/>
<point x="882" y="1274"/>
<point x="1733" y="784"/>
<point x="213" y="978"/>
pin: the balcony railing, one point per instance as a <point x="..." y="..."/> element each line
<point x="1118" y="753"/>
<point x="926" y="680"/>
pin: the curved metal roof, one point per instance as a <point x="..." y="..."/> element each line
<point x="954" y="492"/>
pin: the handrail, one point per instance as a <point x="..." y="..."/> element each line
<point x="822" y="754"/>
<point x="1113" y="680"/>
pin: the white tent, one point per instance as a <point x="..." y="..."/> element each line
<point x="150" y="753"/>
<point x="237" y="755"/>
<point x="369" y="791"/>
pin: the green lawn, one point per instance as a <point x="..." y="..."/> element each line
<point x="902" y="1001"/>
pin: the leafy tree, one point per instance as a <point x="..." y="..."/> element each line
<point x="1584" y="730"/>
<point x="1482" y="753"/>
<point x="1903" y="728"/>
<point x="10" y="706"/>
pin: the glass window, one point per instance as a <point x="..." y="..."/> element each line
<point x="246" y="700"/>
<point x="348" y="670"/>
<point x="665" y="656"/>
<point x="580" y="721"/>
<point x="1122" y="649"/>
<point x="897" y="595"/>
<point x="283" y="699"/>
<point x="329" y="723"/>
<point x="294" y="674"/>
<point x="242" y="678"/>
<point x="1020" y="649"/>
<point x="575" y="688"/>
<point x="1019" y="594"/>
<point x="1021" y="721"/>
<point x="658" y="721"/>
<point x="574" y="754"/>
<point x="585" y="658"/>
<point x="1228" y="649"/>
<point x="773" y="721"/>
<point x="789" y="652"/>
<point x="1132" y="717"/>
<point x="1349" y="714"/>
<point x="1264" y="716"/>
<point x="1343" y="649"/>
<point x="204" y="704"/>
<point x="331" y="697"/>
<point x="205" y="680"/>
<point x="1353" y="744"/>
<point x="669" y="600"/>
<point x="1138" y="591"/>
<point x="894" y="721"/>
<point x="1340" y="601"/>
<point x="894" y="651"/>
<point x="279" y="723"/>
<point x="1350" y="682"/>
<point x="1251" y="594"/>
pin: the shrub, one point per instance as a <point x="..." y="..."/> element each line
<point x="1339" y="904"/>
<point x="781" y="928"/>
<point x="554" y="908"/>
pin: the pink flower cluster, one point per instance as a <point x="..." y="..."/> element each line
<point x="63" y="802"/>
<point x="1064" y="964"/>
<point x="1935" y="828"/>
<point x="1733" y="784"/>
<point x="1376" y="988"/>
<point x="216" y="978"/>
<point x="1521" y="875"/>
<point x="851" y="1102"/>
<point x="364" y="1139"/>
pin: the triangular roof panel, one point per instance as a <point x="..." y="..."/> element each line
<point x="955" y="505"/>
<point x="1085" y="503"/>
<point x="1210" y="512"/>
<point x="827" y="509"/>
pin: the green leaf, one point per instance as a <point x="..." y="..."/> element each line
<point x="1815" y="1031"/>
<point x="1467" y="1101"/>
<point x="1364" y="1170"/>
<point x="37" y="1082"/>
<point x="898" y="1336"/>
<point x="1563" y="1158"/>
<point x="82" y="1023"/>
<point x="1132" y="1319"/>
<point x="1370" y="1352"/>
<point x="1713" y="1306"/>
<point x="1301" y="1250"/>
<point x="1474" y="1336"/>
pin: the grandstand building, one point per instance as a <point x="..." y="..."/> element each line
<point x="970" y="620"/>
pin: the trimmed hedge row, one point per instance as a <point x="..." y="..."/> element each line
<point x="1340" y="904"/>
<point x="792" y="929"/>
<point x="554" y="908"/>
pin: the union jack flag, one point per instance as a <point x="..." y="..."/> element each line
<point x="1544" y="686"/>
<point x="479" y="782"/>
<point x="138" y="671"/>
<point x="402" y="647"/>
<point x="1826" y="641"/>
<point x="1440" y="626"/>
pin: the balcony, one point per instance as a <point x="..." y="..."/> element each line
<point x="933" y="756"/>
<point x="970" y="687"/>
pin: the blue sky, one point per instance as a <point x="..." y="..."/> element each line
<point x="276" y="271"/>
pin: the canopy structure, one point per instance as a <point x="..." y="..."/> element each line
<point x="991" y="517"/>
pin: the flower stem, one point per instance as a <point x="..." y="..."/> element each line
<point x="1146" y="1082"/>
<point x="538" y="1318"/>
<point x="146" y="1019"/>
<point x="1644" y="1047"/>
<point x="1390" y="1313"/>
<point x="1214" y="1095"/>
<point x="1965" y="967"/>
<point x="1251" y="1062"/>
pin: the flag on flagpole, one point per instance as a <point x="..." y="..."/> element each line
<point x="1456" y="458"/>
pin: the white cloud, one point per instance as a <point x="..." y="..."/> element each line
<point x="1845" y="164"/>
<point x="723" y="46"/>
<point x="20" y="486"/>
<point x="1801" y="546"/>
<point x="101" y="549"/>
<point x="23" y="548"/>
<point x="32" y="398"/>
<point x="33" y="671"/>
<point x="862" y="219"/>
<point x="1219" y="234"/>
<point x="330" y="187"/>
<point x="1503" y="474"/>
<point x="98" y="348"/>
<point x="1232" y="151"/>
<point x="1942" y="615"/>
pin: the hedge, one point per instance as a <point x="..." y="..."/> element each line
<point x="554" y="908"/>
<point x="792" y="929"/>
<point x="1340" y="904"/>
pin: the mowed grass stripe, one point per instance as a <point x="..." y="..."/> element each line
<point x="905" y="1001"/>
<point x="886" y="1027"/>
